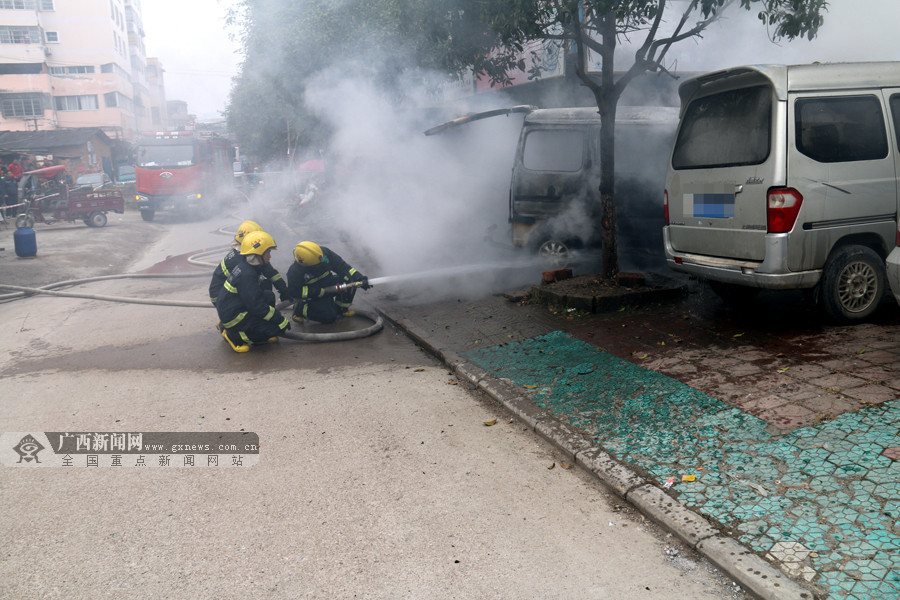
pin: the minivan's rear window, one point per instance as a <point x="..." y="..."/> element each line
<point x="727" y="129"/>
<point x="841" y="129"/>
<point x="554" y="150"/>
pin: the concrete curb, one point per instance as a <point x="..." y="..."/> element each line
<point x="754" y="573"/>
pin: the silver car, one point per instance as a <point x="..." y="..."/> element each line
<point x="785" y="177"/>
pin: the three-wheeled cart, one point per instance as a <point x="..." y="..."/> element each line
<point x="47" y="200"/>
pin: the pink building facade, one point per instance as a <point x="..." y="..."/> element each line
<point x="74" y="64"/>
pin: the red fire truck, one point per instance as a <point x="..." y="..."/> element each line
<point x="182" y="171"/>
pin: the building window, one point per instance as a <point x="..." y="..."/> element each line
<point x="12" y="34"/>
<point x="21" y="105"/>
<point x="52" y="37"/>
<point x="114" y="68"/>
<point x="79" y="70"/>
<point x="87" y="102"/>
<point x="17" y="4"/>
<point x="47" y="5"/>
<point x="118" y="100"/>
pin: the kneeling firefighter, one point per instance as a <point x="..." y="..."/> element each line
<point x="315" y="269"/>
<point x="269" y="275"/>
<point x="247" y="312"/>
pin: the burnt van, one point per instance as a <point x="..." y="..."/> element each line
<point x="786" y="177"/>
<point x="554" y="198"/>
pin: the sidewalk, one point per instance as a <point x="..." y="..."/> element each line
<point x="768" y="439"/>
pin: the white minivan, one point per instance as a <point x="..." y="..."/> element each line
<point x="786" y="177"/>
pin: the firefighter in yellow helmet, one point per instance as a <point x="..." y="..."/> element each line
<point x="316" y="268"/>
<point x="247" y="313"/>
<point x="270" y="275"/>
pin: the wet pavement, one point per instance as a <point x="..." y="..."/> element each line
<point x="765" y="436"/>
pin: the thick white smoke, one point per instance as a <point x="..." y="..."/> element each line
<point x="415" y="202"/>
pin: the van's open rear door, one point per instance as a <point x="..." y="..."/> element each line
<point x="520" y="108"/>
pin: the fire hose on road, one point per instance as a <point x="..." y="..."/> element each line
<point x="49" y="290"/>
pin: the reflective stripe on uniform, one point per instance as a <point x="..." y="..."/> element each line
<point x="230" y="288"/>
<point x="270" y="314"/>
<point x="235" y="320"/>
<point x="277" y="277"/>
<point x="225" y="270"/>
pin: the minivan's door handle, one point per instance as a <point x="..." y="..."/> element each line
<point x="738" y="188"/>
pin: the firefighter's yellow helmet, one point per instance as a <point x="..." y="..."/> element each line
<point x="257" y="242"/>
<point x="245" y="228"/>
<point x="308" y="254"/>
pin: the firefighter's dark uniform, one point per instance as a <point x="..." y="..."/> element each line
<point x="246" y="314"/>
<point x="307" y="284"/>
<point x="268" y="276"/>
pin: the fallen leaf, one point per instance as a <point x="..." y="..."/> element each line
<point x="452" y="383"/>
<point x="737" y="335"/>
<point x="688" y="477"/>
<point x="551" y="466"/>
<point x="565" y="465"/>
<point x="783" y="369"/>
<point x="642" y="356"/>
<point x="418" y="370"/>
<point x="863" y="351"/>
<point x="491" y="422"/>
<point x="529" y="387"/>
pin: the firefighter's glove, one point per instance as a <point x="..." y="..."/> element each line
<point x="365" y="283"/>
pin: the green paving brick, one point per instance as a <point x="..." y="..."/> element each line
<point x="827" y="487"/>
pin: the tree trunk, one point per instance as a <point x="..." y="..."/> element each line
<point x="609" y="100"/>
<point x="610" y="247"/>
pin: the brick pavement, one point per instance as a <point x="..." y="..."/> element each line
<point x="789" y="426"/>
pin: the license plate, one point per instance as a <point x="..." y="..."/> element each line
<point x="710" y="206"/>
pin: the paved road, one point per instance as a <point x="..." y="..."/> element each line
<point x="788" y="424"/>
<point x="377" y="477"/>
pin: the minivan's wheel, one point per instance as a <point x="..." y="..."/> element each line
<point x="852" y="284"/>
<point x="734" y="293"/>
<point x="147" y="215"/>
<point x="97" y="219"/>
<point x="554" y="252"/>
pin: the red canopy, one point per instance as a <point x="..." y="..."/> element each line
<point x="315" y="166"/>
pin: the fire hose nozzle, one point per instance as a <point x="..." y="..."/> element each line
<point x="340" y="287"/>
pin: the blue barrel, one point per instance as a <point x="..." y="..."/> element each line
<point x="26" y="242"/>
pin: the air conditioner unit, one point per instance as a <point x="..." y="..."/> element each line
<point x="47" y="51"/>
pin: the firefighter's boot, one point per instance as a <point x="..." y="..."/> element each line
<point x="235" y="347"/>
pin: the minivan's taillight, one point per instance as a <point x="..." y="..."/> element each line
<point x="783" y="206"/>
<point x="666" y="208"/>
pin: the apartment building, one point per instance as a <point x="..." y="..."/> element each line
<point x="67" y="64"/>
